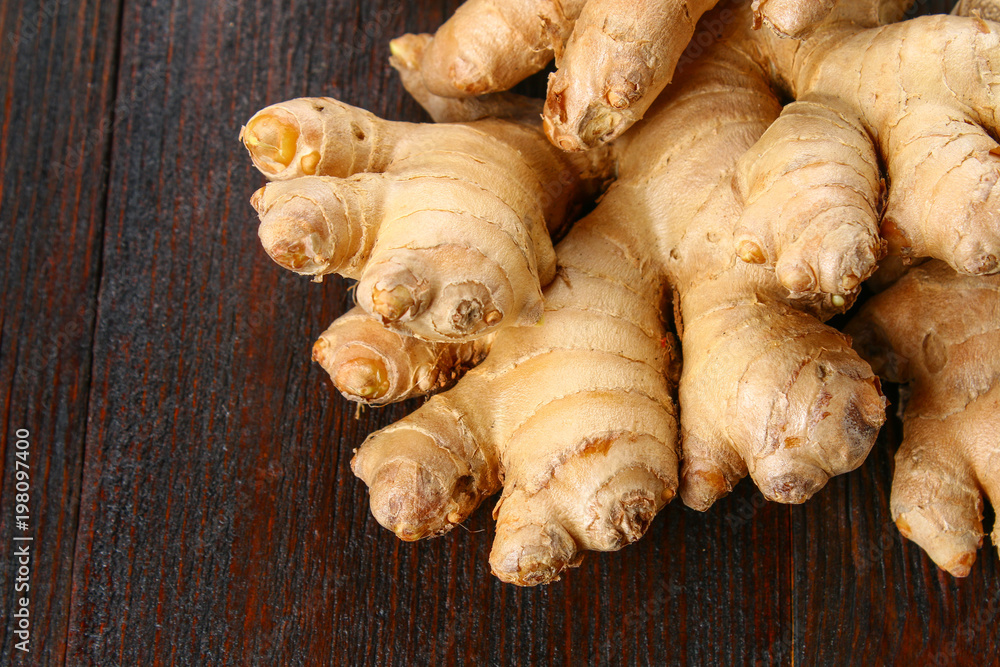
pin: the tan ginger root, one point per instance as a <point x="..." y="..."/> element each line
<point x="613" y="57"/>
<point x="790" y="18"/>
<point x="374" y="365"/>
<point x="815" y="196"/>
<point x="985" y="9"/>
<point x="940" y="332"/>
<point x="919" y="97"/>
<point x="349" y="196"/>
<point x="573" y="417"/>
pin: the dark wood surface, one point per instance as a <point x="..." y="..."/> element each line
<point x="192" y="501"/>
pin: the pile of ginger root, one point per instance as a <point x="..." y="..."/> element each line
<point x="752" y="164"/>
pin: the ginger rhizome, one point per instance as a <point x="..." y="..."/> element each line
<point x="372" y="364"/>
<point x="448" y="241"/>
<point x="918" y="97"/>
<point x="939" y="331"/>
<point x="818" y="167"/>
<point x="572" y="417"/>
<point x="613" y="57"/>
<point x="571" y="411"/>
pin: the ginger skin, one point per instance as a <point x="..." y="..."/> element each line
<point x="572" y="413"/>
<point x="348" y="196"/>
<point x="573" y="417"/>
<point x="939" y="331"/>
<point x="917" y="97"/>
<point x="374" y="365"/>
<point x="613" y="57"/>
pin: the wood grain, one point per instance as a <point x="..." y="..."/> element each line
<point x="219" y="522"/>
<point x="57" y="77"/>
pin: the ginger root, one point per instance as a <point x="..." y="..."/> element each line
<point x="571" y="411"/>
<point x="939" y="331"/>
<point x="374" y="365"/>
<point x="613" y="57"/>
<point x="349" y="195"/>
<point x="917" y="97"/>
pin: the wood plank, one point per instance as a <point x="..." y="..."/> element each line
<point x="57" y="76"/>
<point x="220" y="522"/>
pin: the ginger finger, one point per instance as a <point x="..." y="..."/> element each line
<point x="919" y="93"/>
<point x="373" y="365"/>
<point x="791" y="18"/>
<point x="450" y="240"/>
<point x="319" y="136"/>
<point x="940" y="332"/>
<point x="812" y="196"/>
<point x="489" y="46"/>
<point x="618" y="59"/>
<point x="407" y="54"/>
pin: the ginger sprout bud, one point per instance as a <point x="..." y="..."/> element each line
<point x="272" y="139"/>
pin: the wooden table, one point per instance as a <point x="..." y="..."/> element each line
<point x="191" y="500"/>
